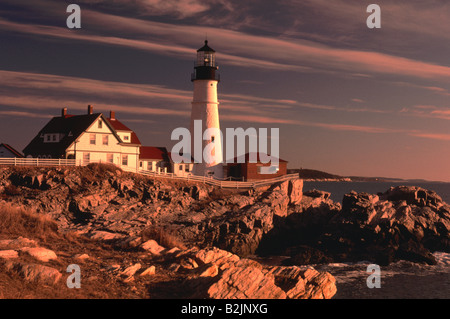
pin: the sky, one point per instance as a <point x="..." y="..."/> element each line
<point x="347" y="99"/>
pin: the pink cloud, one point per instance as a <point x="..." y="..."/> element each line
<point x="433" y="136"/>
<point x="239" y="48"/>
<point x="427" y="111"/>
<point x="329" y="126"/>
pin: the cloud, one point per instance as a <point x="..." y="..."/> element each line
<point x="27" y="90"/>
<point x="433" y="136"/>
<point x="427" y="111"/>
<point x="435" y="89"/>
<point x="22" y="114"/>
<point x="328" y="126"/>
<point x="236" y="48"/>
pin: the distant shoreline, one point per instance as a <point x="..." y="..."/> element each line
<point x="310" y="175"/>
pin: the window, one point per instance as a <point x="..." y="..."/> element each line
<point x="180" y="168"/>
<point x="100" y="124"/>
<point x="86" y="157"/>
<point x="105" y="139"/>
<point x="212" y="139"/>
<point x="51" y="138"/>
<point x="125" y="160"/>
<point x="110" y="158"/>
<point x="268" y="169"/>
<point x="140" y="164"/>
<point x="92" y="139"/>
<point x="186" y="168"/>
<point x="126" y="138"/>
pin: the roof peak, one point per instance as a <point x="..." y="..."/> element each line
<point x="206" y="47"/>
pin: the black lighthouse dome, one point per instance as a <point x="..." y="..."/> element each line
<point x="205" y="66"/>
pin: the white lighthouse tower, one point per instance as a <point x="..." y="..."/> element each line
<point x="207" y="153"/>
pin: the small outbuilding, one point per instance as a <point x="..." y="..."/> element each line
<point x="251" y="167"/>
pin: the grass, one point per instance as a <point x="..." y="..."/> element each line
<point x="95" y="282"/>
<point x="15" y="221"/>
<point x="99" y="169"/>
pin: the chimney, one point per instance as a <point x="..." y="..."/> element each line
<point x="112" y="115"/>
<point x="90" y="109"/>
<point x="64" y="112"/>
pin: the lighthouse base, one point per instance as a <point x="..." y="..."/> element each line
<point x="215" y="171"/>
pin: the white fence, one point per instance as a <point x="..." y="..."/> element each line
<point x="194" y="178"/>
<point x="37" y="162"/>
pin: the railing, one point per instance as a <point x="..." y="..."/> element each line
<point x="216" y="182"/>
<point x="37" y="161"/>
<point x="193" y="178"/>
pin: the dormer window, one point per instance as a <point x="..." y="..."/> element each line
<point x="51" y="138"/>
<point x="100" y="124"/>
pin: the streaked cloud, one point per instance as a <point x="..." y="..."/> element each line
<point x="240" y="48"/>
<point x="439" y="137"/>
<point x="427" y="111"/>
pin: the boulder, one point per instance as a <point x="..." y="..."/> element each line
<point x="295" y="191"/>
<point x="105" y="235"/>
<point x="245" y="281"/>
<point x="17" y="243"/>
<point x="300" y="283"/>
<point x="40" y="253"/>
<point x="152" y="247"/>
<point x="223" y="275"/>
<point x="8" y="254"/>
<point x="314" y="193"/>
<point x="130" y="271"/>
<point x="222" y="258"/>
<point x="35" y="273"/>
<point x="149" y="271"/>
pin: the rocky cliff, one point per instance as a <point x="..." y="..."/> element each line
<point x="210" y="230"/>
<point x="104" y="204"/>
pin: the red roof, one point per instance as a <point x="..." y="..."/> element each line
<point x="152" y="152"/>
<point x="119" y="126"/>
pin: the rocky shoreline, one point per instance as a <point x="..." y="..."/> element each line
<point x="106" y="205"/>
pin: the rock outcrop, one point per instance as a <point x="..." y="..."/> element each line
<point x="220" y="274"/>
<point x="114" y="207"/>
<point x="403" y="223"/>
<point x="241" y="230"/>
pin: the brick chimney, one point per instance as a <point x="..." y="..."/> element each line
<point x="112" y="115"/>
<point x="64" y="112"/>
<point x="90" y="109"/>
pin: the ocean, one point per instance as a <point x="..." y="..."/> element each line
<point x="339" y="189"/>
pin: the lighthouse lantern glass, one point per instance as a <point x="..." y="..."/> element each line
<point x="205" y="58"/>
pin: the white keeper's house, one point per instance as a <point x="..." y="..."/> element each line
<point x="87" y="138"/>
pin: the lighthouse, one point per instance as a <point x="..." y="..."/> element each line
<point x="207" y="150"/>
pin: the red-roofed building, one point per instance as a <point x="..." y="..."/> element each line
<point x="126" y="135"/>
<point x="181" y="169"/>
<point x="250" y="167"/>
<point x="87" y="138"/>
<point x="7" y="151"/>
<point x="155" y="159"/>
